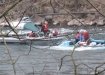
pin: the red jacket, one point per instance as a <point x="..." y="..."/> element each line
<point x="86" y="35"/>
<point x="45" y="27"/>
<point x="55" y="33"/>
<point x="32" y="34"/>
<point x="77" y="35"/>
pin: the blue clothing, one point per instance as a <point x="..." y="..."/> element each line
<point x="80" y="38"/>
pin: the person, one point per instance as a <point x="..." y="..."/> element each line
<point x="55" y="32"/>
<point x="86" y="36"/>
<point x="76" y="37"/>
<point x="32" y="34"/>
<point x="45" y="28"/>
<point x="80" y="37"/>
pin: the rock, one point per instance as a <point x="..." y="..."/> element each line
<point x="62" y="11"/>
<point x="74" y="22"/>
<point x="63" y="23"/>
<point x="55" y="22"/>
<point x="48" y="17"/>
<point x="49" y="10"/>
<point x="92" y="10"/>
<point x="88" y="22"/>
<point x="70" y="23"/>
<point x="38" y="20"/>
<point x="38" y="23"/>
<point x="69" y="18"/>
<point x="99" y="21"/>
<point x="91" y="17"/>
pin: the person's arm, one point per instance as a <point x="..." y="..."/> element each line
<point x="30" y="35"/>
<point x="80" y="38"/>
<point x="42" y="28"/>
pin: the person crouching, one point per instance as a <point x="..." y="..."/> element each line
<point x="55" y="32"/>
<point x="32" y="34"/>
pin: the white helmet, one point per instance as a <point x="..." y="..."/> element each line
<point x="81" y="30"/>
<point x="46" y="22"/>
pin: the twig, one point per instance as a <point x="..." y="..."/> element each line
<point x="62" y="61"/>
<point x="21" y="68"/>
<point x="11" y="7"/>
<point x="9" y="55"/>
<point x="30" y="47"/>
<point x="95" y="8"/>
<point x="43" y="69"/>
<point x="69" y="12"/>
<point x="11" y="27"/>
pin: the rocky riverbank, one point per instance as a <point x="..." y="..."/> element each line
<point x="100" y="21"/>
<point x="60" y="13"/>
<point x="73" y="13"/>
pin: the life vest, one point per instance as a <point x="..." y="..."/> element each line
<point x="32" y="34"/>
<point x="86" y="35"/>
<point x="55" y="33"/>
<point x="45" y="27"/>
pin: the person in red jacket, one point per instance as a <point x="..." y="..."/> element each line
<point x="32" y="34"/>
<point x="55" y="32"/>
<point x="45" y="28"/>
<point x="86" y="36"/>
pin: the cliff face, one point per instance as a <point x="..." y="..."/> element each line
<point x="65" y="12"/>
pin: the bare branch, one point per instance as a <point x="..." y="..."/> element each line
<point x="95" y="8"/>
<point x="11" y="7"/>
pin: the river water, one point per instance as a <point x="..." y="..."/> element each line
<point x="46" y="62"/>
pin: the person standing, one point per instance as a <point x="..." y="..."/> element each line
<point x="45" y="28"/>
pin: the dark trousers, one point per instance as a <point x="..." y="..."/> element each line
<point x="45" y="33"/>
<point x="76" y="40"/>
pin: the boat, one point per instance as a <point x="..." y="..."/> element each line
<point x="69" y="45"/>
<point x="23" y="28"/>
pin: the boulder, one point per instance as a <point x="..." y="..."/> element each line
<point x="88" y="22"/>
<point x="74" y="22"/>
<point x="99" y="21"/>
<point x="55" y="22"/>
<point x="48" y="9"/>
<point x="38" y="20"/>
<point x="62" y="11"/>
<point x="48" y="17"/>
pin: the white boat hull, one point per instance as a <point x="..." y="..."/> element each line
<point x="28" y="39"/>
<point x="78" y="48"/>
<point x="70" y="48"/>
